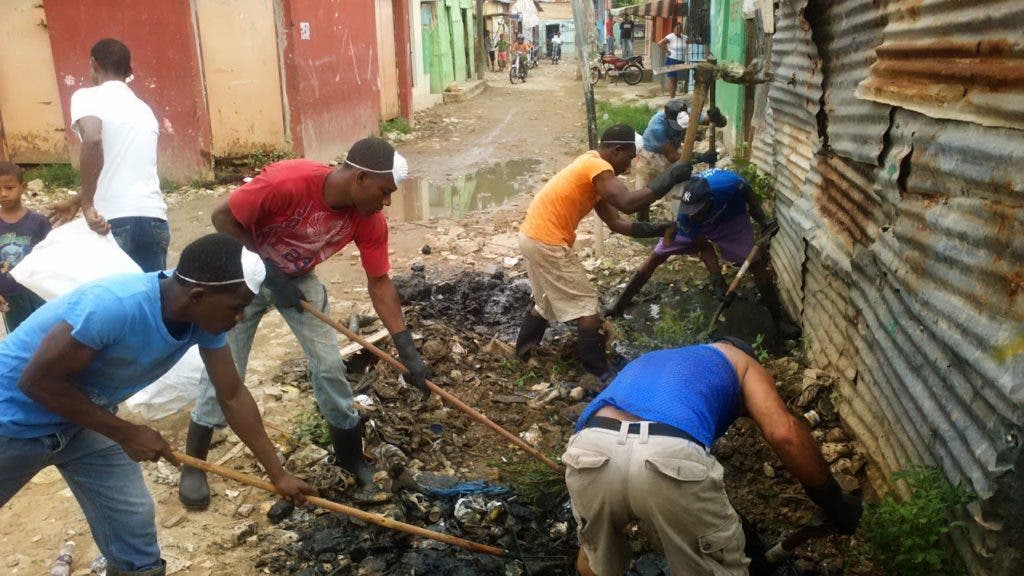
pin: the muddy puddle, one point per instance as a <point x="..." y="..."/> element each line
<point x="491" y="187"/>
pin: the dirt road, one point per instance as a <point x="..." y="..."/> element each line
<point x="541" y="120"/>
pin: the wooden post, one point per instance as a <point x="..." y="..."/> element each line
<point x="481" y="31"/>
<point x="711" y="97"/>
<point x="583" y="18"/>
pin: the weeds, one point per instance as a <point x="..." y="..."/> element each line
<point x="760" y="350"/>
<point x="55" y="175"/>
<point x="532" y="480"/>
<point x="511" y="370"/>
<point x="762" y="184"/>
<point x="672" y="330"/>
<point x="260" y="157"/>
<point x="312" y="427"/>
<point x="909" y="536"/>
<point x="635" y="115"/>
<point x="398" y="125"/>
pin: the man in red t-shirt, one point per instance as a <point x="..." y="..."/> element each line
<point x="295" y="214"/>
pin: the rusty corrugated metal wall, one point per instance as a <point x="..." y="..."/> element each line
<point x="895" y="135"/>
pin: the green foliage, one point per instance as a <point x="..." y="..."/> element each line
<point x="909" y="537"/>
<point x="759" y="349"/>
<point x="399" y="125"/>
<point x="260" y="157"/>
<point x="513" y="373"/>
<point x="762" y="184"/>
<point x="55" y="175"/>
<point x="635" y="115"/>
<point x="531" y="479"/>
<point x="624" y="3"/>
<point x="312" y="427"/>
<point x="674" y="329"/>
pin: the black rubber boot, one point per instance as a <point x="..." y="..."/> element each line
<point x="530" y="334"/>
<point x="783" y="327"/>
<point x="719" y="287"/>
<point x="160" y="570"/>
<point x="193" y="490"/>
<point x="636" y="283"/>
<point x="590" y="344"/>
<point x="348" y="453"/>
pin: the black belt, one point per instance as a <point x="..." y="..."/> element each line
<point x="654" y="428"/>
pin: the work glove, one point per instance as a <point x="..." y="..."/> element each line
<point x="418" y="372"/>
<point x="649" y="229"/>
<point x="677" y="173"/>
<point x="709" y="157"/>
<point x="842" y="510"/>
<point x="715" y="116"/>
<point x="770" y="227"/>
<point x="283" y="290"/>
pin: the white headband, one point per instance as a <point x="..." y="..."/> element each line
<point x="638" y="141"/>
<point x="254" y="271"/>
<point x="399" y="168"/>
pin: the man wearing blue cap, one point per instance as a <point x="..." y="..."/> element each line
<point x="641" y="451"/>
<point x="67" y="367"/>
<point x="715" y="211"/>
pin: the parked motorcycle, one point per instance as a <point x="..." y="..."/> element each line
<point x="517" y="71"/>
<point x="631" y="70"/>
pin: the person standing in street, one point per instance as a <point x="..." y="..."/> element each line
<point x="674" y="45"/>
<point x="120" y="187"/>
<point x="489" y="47"/>
<point x="626" y="36"/>
<point x="295" y="214"/>
<point x="67" y="367"/>
<point x="642" y="451"/>
<point x="561" y="289"/>
<point x="609" y="34"/>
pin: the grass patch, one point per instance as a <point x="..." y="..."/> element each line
<point x="399" y="125"/>
<point x="635" y="115"/>
<point x="762" y="184"/>
<point x="532" y="480"/>
<point x="909" y="537"/>
<point x="259" y="158"/>
<point x="312" y="427"/>
<point x="513" y="374"/>
<point x="55" y="175"/>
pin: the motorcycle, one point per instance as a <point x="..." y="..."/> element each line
<point x="631" y="70"/>
<point x="517" y="71"/>
<point x="556" y="53"/>
<point x="532" y="61"/>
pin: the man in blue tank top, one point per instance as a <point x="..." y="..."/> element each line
<point x="66" y="368"/>
<point x="715" y="212"/>
<point x="641" y="452"/>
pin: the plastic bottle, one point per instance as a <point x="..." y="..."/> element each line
<point x="98" y="566"/>
<point x="62" y="566"/>
<point x="812" y="418"/>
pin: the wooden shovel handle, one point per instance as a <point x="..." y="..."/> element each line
<point x="341" y="508"/>
<point x="444" y="394"/>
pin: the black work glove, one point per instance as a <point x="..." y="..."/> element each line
<point x="679" y="172"/>
<point x="716" y="117"/>
<point x="283" y="290"/>
<point x="417" y="369"/>
<point x="770" y="227"/>
<point x="709" y="157"/>
<point x="649" y="229"/>
<point x="843" y="510"/>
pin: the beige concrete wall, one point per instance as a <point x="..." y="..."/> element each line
<point x="29" y="102"/>
<point x="243" y="80"/>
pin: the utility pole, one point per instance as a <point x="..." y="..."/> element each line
<point x="481" y="53"/>
<point x="583" y="17"/>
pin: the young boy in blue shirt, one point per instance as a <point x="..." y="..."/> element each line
<point x="64" y="371"/>
<point x="20" y="230"/>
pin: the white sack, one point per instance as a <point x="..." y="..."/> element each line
<point x="68" y="257"/>
<point x="172" y="392"/>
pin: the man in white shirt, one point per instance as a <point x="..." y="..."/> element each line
<point x="120" y="186"/>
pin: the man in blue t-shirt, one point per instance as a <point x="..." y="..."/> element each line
<point x="715" y="211"/>
<point x="641" y="451"/>
<point x="66" y="368"/>
<point x="662" y="139"/>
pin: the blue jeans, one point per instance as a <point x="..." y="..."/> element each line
<point x="106" y="482"/>
<point x="319" y="342"/>
<point x="143" y="238"/>
<point x="627" y="47"/>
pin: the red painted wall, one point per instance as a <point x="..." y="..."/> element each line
<point x="403" y="51"/>
<point x="165" y="61"/>
<point x="331" y="77"/>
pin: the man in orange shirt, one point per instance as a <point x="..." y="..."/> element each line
<point x="561" y="290"/>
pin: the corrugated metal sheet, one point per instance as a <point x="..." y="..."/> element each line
<point x="851" y="30"/>
<point x="902" y="245"/>
<point x="952" y="59"/>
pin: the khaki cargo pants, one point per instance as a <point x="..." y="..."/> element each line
<point x="673" y="486"/>
<point x="561" y="289"/>
<point x="648" y="166"/>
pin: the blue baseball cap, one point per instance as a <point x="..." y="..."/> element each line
<point x="696" y="193"/>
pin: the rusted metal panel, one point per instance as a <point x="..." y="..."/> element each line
<point x="952" y="59"/>
<point x="165" y="62"/>
<point x="852" y="209"/>
<point x="331" y="76"/>
<point x="848" y="32"/>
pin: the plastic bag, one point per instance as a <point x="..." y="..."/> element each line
<point x="172" y="392"/>
<point x="68" y="257"/>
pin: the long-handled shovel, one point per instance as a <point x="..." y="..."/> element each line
<point x="343" y="509"/>
<point x="444" y="394"/>
<point x="730" y="294"/>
